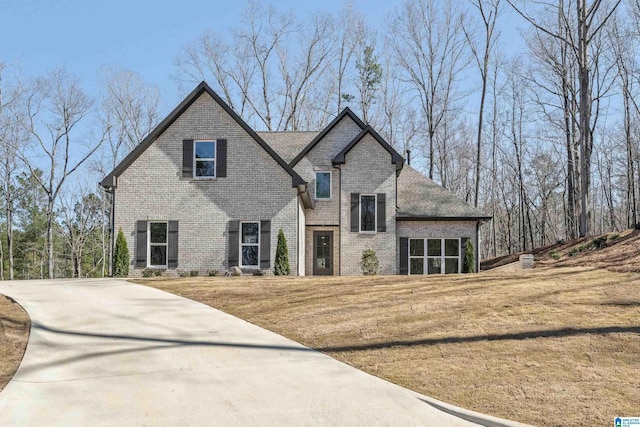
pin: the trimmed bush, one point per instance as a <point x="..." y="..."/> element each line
<point x="281" y="266"/>
<point x="121" y="256"/>
<point x="212" y="273"/>
<point x="469" y="261"/>
<point x="147" y="272"/>
<point x="369" y="264"/>
<point x="194" y="273"/>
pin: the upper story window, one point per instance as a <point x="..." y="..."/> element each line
<point x="323" y="185"/>
<point x="158" y="244"/>
<point x="204" y="159"/>
<point x="368" y="212"/>
<point x="250" y="242"/>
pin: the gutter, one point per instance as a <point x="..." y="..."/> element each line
<point x="305" y="196"/>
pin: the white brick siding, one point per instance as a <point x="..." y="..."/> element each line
<point x="368" y="170"/>
<point x="256" y="188"/>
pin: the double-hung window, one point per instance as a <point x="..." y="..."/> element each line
<point x="434" y="256"/>
<point x="323" y="185"/>
<point x="204" y="159"/>
<point x="250" y="244"/>
<point x="157" y="244"/>
<point x="368" y="212"/>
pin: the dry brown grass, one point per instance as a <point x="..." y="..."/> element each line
<point x="14" y="334"/>
<point x="545" y="346"/>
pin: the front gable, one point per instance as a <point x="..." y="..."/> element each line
<point x="368" y="131"/>
<point x="111" y="180"/>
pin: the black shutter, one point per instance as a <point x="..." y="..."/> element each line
<point x="221" y="158"/>
<point x="355" y="212"/>
<point x="141" y="244"/>
<point x="404" y="255"/>
<point x="234" y="240"/>
<point x="382" y="212"/>
<point x="172" y="255"/>
<point x="187" y="158"/>
<point x="265" y="244"/>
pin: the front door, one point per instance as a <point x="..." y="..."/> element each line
<point x="323" y="253"/>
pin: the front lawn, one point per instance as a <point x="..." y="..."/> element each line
<point x="546" y="346"/>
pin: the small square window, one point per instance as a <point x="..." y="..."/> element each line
<point x="417" y="266"/>
<point x="204" y="159"/>
<point x="434" y="247"/>
<point x="323" y="185"/>
<point x="416" y="247"/>
<point x="451" y="247"/>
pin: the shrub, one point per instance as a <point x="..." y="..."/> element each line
<point x="212" y="273"/>
<point x="147" y="272"/>
<point x="554" y="254"/>
<point x="194" y="273"/>
<point x="614" y="236"/>
<point x="600" y="242"/>
<point x="157" y="273"/>
<point x="183" y="273"/>
<point x="469" y="261"/>
<point x="369" y="264"/>
<point x="121" y="256"/>
<point x="281" y="266"/>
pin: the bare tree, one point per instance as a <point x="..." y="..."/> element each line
<point x="129" y="110"/>
<point x="82" y="214"/>
<point x="489" y="12"/>
<point x="12" y="137"/>
<point x="56" y="104"/>
<point x="586" y="21"/>
<point x="431" y="51"/>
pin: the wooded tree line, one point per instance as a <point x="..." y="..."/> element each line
<point x="543" y="138"/>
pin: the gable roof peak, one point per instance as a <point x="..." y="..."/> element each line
<point x="396" y="158"/>
<point x="346" y="112"/>
<point x="110" y="180"/>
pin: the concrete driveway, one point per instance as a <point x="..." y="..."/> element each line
<point x="108" y="352"/>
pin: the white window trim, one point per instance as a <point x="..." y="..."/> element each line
<point x="249" y="244"/>
<point x="375" y="210"/>
<point x="442" y="256"/>
<point x="214" y="159"/>
<point x="330" y="186"/>
<point x="149" y="245"/>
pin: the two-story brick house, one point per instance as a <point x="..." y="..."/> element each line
<point x="204" y="192"/>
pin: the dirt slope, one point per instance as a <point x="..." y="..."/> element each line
<point x="613" y="251"/>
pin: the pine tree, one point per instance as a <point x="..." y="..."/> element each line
<point x="121" y="256"/>
<point x="281" y="267"/>
<point x="468" y="264"/>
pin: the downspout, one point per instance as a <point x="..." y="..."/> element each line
<point x="112" y="240"/>
<point x="478" y="247"/>
<point x="339" y="220"/>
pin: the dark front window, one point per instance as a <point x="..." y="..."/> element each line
<point x="434" y="256"/>
<point x="323" y="185"/>
<point x="157" y="244"/>
<point x="249" y="240"/>
<point x="367" y="213"/>
<point x="205" y="159"/>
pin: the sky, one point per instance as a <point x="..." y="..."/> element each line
<point x="143" y="36"/>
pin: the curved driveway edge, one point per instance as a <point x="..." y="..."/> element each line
<point x="109" y="352"/>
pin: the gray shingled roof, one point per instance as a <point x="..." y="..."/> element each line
<point x="288" y="144"/>
<point x="420" y="197"/>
